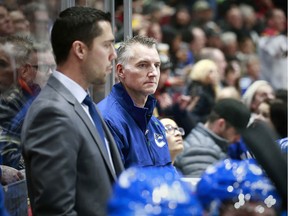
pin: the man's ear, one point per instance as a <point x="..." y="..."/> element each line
<point x="79" y="49"/>
<point x="23" y="71"/>
<point x="221" y="124"/>
<point x="27" y="73"/>
<point x="120" y="71"/>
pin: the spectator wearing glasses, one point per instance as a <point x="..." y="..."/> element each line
<point x="46" y="63"/>
<point x="18" y="70"/>
<point x="174" y="135"/>
<point x="207" y="143"/>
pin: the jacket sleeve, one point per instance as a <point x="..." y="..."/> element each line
<point x="118" y="138"/>
<point x="11" y="152"/>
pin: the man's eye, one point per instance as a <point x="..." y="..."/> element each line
<point x="3" y="63"/>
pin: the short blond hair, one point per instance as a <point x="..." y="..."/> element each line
<point x="201" y="70"/>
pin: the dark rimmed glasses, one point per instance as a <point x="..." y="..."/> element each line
<point x="172" y="130"/>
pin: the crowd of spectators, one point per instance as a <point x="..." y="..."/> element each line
<point x="247" y="40"/>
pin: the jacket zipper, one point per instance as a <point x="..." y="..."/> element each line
<point x="149" y="146"/>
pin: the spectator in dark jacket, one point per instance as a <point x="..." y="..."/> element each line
<point x="207" y="143"/>
<point x="204" y="86"/>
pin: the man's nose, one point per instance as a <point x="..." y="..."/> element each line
<point x="153" y="70"/>
<point x="114" y="54"/>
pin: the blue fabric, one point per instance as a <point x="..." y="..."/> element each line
<point x="3" y="211"/>
<point x="148" y="191"/>
<point x="95" y="116"/>
<point x="239" y="151"/>
<point x="283" y="144"/>
<point x="139" y="135"/>
<point x="227" y="179"/>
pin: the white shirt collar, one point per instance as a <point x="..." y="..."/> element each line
<point x="77" y="91"/>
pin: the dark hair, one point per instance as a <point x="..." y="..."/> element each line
<point x="169" y="34"/>
<point x="187" y="35"/>
<point x="233" y="111"/>
<point x="213" y="116"/>
<point x="278" y="116"/>
<point x="282" y="94"/>
<point x="269" y="14"/>
<point x="75" y="23"/>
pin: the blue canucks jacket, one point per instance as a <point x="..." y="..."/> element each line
<point x="139" y="135"/>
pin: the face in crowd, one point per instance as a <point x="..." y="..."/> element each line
<point x="139" y="69"/>
<point x="174" y="137"/>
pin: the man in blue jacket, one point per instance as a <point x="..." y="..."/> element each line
<point x="128" y="109"/>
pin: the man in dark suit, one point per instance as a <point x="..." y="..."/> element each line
<point x="69" y="168"/>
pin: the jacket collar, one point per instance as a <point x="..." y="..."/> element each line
<point x="221" y="142"/>
<point x="141" y="116"/>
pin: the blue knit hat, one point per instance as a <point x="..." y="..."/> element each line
<point x="237" y="181"/>
<point x="152" y="191"/>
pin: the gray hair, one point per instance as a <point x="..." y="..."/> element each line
<point x="18" y="48"/>
<point x="124" y="50"/>
<point x="246" y="10"/>
<point x="228" y="38"/>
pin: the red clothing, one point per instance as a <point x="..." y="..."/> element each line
<point x="270" y="32"/>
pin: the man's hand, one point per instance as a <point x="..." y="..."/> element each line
<point x="187" y="102"/>
<point x="10" y="175"/>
